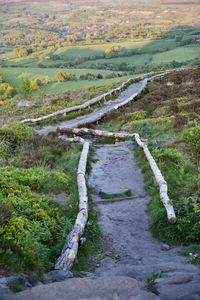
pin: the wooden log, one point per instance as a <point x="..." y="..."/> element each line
<point x="76" y="139"/>
<point x="83" y="159"/>
<point x="96" y="116"/>
<point x="149" y="76"/>
<point x="88" y="131"/>
<point x="160" y="181"/>
<point x="77" y="107"/>
<point x="156" y="171"/>
<point x="70" y="249"/>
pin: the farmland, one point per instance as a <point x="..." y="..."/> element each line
<point x="113" y="61"/>
<point x="113" y="43"/>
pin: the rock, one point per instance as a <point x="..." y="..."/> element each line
<point x="155" y="144"/>
<point x="28" y="284"/>
<point x="165" y="247"/>
<point x="83" y="274"/>
<point x="82" y="240"/>
<point x="22" y="281"/>
<point x="23" y="103"/>
<point x="3" y="282"/>
<point x="178" y="279"/>
<point x="104" y="288"/>
<point x="57" y="275"/>
<point x="62" y="198"/>
<point x="179" y="286"/>
<point x="158" y="280"/>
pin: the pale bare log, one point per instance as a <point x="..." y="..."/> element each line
<point x="88" y="131"/>
<point x="76" y="139"/>
<point x="83" y="159"/>
<point x="156" y="171"/>
<point x="78" y="107"/>
<point x="70" y="249"/>
<point x="92" y="118"/>
<point x="160" y="181"/>
<point x="149" y="76"/>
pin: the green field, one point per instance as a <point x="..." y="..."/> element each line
<point x="179" y="54"/>
<point x="89" y="51"/>
<point x="15" y="75"/>
<point x="150" y="55"/>
<point x="136" y="60"/>
<point x="61" y="87"/>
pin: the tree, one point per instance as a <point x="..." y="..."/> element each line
<point x="46" y="80"/>
<point x="99" y="76"/>
<point x="34" y="85"/>
<point x="6" y="90"/>
<point x="60" y="76"/>
<point x="65" y="76"/>
<point x="1" y="79"/>
<point x="88" y="40"/>
<point x="20" y="52"/>
<point x="26" y="87"/>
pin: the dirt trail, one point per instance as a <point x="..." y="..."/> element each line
<point x="91" y="117"/>
<point x="131" y="250"/>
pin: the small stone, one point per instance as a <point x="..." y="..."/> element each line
<point x="82" y="240"/>
<point x="28" y="285"/>
<point x="3" y="282"/>
<point x="23" y="103"/>
<point x="158" y="280"/>
<point x="179" y="279"/>
<point x="57" y="275"/>
<point x="83" y="274"/>
<point x="165" y="247"/>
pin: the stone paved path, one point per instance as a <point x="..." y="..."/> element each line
<point x="132" y="251"/>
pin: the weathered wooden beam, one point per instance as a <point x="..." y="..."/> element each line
<point x="148" y="76"/>
<point x="154" y="167"/>
<point x="89" y="131"/>
<point x="70" y="249"/>
<point x="160" y="181"/>
<point x="79" y="107"/>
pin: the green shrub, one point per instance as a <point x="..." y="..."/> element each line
<point x="38" y="179"/>
<point x="40" y="151"/>
<point x="169" y="155"/>
<point x="3" y="152"/>
<point x="194" y="252"/>
<point x="138" y="115"/>
<point x="26" y="87"/>
<point x="15" y="133"/>
<point x="150" y="282"/>
<point x="183" y="190"/>
<point x="6" y="91"/>
<point x="151" y="126"/>
<point x="33" y="227"/>
<point x="192" y="138"/>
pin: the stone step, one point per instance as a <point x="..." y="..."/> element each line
<point x="104" y="288"/>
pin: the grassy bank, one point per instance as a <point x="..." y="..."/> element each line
<point x="38" y="198"/>
<point x="39" y="201"/>
<point x="42" y="105"/>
